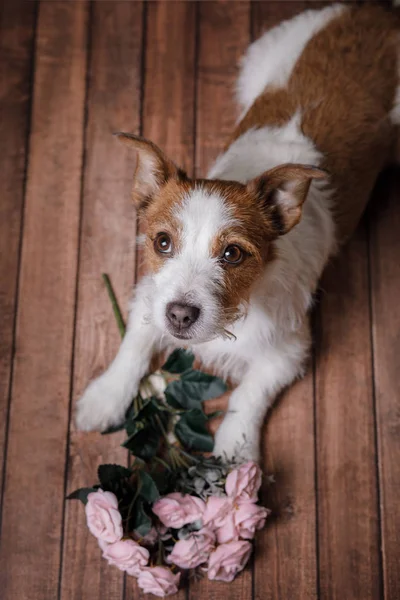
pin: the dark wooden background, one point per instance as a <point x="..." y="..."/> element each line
<point x="71" y="74"/>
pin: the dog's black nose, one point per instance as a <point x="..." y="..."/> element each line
<point x="182" y="316"/>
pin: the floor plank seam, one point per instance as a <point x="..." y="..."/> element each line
<point x="78" y="255"/>
<point x="382" y="590"/>
<point x="314" y="389"/>
<point x="32" y="68"/>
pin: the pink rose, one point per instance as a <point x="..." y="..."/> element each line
<point x="219" y="515"/>
<point x="103" y="517"/>
<point x="195" y="550"/>
<point x="176" y="510"/>
<point x="127" y="555"/>
<point x="228" y="560"/>
<point x="249" y="517"/>
<point x="243" y="483"/>
<point x="158" y="581"/>
<point x="228" y="530"/>
<point x="217" y="509"/>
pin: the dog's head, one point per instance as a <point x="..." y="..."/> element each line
<point x="208" y="241"/>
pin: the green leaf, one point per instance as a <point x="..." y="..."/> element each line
<point x="179" y="361"/>
<point x="131" y="428"/>
<point x="143" y="443"/>
<point x="192" y="388"/>
<point x="164" y="480"/>
<point x="109" y="475"/>
<point x="192" y="432"/>
<point x="148" y="488"/>
<point x="149" y="409"/>
<point x="82" y="494"/>
<point x="140" y="522"/>
<point x="209" y="386"/>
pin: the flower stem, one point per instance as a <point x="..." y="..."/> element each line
<point x="115" y="306"/>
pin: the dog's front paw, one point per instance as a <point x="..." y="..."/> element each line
<point x="237" y="438"/>
<point x="103" y="405"/>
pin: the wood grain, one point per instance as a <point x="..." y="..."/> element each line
<point x="17" y="26"/>
<point x="34" y="484"/>
<point x="224" y="29"/>
<point x="285" y="554"/>
<point x="348" y="524"/>
<point x="168" y="105"/>
<point x="107" y="244"/>
<point x="224" y="34"/>
<point x="385" y="285"/>
<point x="168" y="102"/>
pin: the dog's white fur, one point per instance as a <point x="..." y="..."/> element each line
<point x="193" y="277"/>
<point x="273" y="341"/>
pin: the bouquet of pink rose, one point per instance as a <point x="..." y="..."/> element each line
<point x="175" y="510"/>
<point x="186" y="531"/>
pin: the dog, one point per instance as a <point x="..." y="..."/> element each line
<point x="234" y="260"/>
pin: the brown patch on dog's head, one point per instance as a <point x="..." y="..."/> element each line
<point x="160" y="216"/>
<point x="267" y="207"/>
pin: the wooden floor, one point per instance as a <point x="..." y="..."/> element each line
<point x="71" y="74"/>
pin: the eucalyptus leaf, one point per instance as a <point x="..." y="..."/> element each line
<point x="179" y="361"/>
<point x="82" y="494"/>
<point x="192" y="432"/>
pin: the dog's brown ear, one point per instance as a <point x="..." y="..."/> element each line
<point x="152" y="170"/>
<point x="282" y="191"/>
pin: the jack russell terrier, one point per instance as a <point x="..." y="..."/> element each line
<point x="241" y="252"/>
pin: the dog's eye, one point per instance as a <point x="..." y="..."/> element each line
<point x="163" y="243"/>
<point x="233" y="255"/>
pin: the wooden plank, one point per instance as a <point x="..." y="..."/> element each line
<point x="34" y="483"/>
<point x="285" y="552"/>
<point x="224" y="30"/>
<point x="223" y="38"/>
<point x="385" y="284"/>
<point x="107" y="245"/>
<point x="17" y="25"/>
<point x="168" y="103"/>
<point x="349" y="561"/>
<point x="285" y="555"/>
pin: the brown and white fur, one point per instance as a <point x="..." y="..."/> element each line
<point x="243" y="250"/>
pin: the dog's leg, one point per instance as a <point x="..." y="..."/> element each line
<point x="272" y="371"/>
<point x="107" y="398"/>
